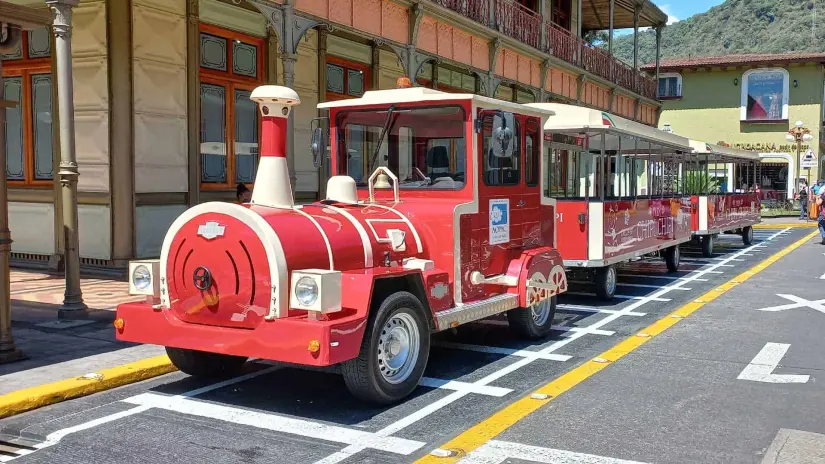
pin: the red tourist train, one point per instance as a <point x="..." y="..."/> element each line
<point x="618" y="188"/>
<point x="725" y="195"/>
<point x="433" y="219"/>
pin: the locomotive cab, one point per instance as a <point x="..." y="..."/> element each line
<point x="433" y="218"/>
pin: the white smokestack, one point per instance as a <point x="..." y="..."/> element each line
<point x="272" y="187"/>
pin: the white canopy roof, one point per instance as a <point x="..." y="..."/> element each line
<point x="576" y="120"/>
<point x="711" y="149"/>
<point x="423" y="94"/>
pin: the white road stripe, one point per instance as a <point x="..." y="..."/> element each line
<point x="500" y="350"/>
<point x="276" y="423"/>
<point x="620" y="284"/>
<point x="497" y="452"/>
<point x="464" y="386"/>
<point x="593" y="309"/>
<point x="449" y="399"/>
<point x="623" y="297"/>
<point x="645" y="276"/>
<point x="762" y="367"/>
<point x="560" y="328"/>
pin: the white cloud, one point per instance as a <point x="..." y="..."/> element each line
<point x="666" y="10"/>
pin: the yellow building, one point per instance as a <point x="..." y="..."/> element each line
<point x="750" y="102"/>
<point x="162" y="115"/>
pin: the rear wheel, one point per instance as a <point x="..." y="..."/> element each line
<point x="203" y="364"/>
<point x="747" y="235"/>
<point x="605" y="280"/>
<point x="534" y="322"/>
<point x="707" y="245"/>
<point x="672" y="258"/>
<point x="393" y="353"/>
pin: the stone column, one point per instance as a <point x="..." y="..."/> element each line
<point x="8" y="350"/>
<point x="73" y="305"/>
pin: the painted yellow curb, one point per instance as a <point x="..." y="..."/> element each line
<point x="62" y="390"/>
<point x="505" y="418"/>
<point x="792" y="225"/>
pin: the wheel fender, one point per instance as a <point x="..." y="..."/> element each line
<point x="540" y="265"/>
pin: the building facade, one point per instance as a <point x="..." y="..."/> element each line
<point x="161" y="93"/>
<point x="750" y="102"/>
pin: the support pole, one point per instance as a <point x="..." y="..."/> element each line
<point x="73" y="305"/>
<point x="658" y="52"/>
<point x="8" y="350"/>
<point x="610" y="37"/>
<point x="636" y="12"/>
<point x="290" y="57"/>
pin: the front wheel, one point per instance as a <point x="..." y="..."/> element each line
<point x="393" y="353"/>
<point x="203" y="364"/>
<point x="747" y="235"/>
<point x="605" y="281"/>
<point x="672" y="258"/>
<point x="534" y="322"/>
<point x="707" y="246"/>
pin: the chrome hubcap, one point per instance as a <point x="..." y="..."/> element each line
<point x="398" y="348"/>
<point x="541" y="311"/>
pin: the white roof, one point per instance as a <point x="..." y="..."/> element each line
<point x="580" y="119"/>
<point x="709" y="148"/>
<point x="423" y="94"/>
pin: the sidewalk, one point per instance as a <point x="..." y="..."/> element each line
<point x="63" y="349"/>
<point x="771" y="222"/>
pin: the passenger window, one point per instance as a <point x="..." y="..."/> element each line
<point x="532" y="155"/>
<point x="500" y="171"/>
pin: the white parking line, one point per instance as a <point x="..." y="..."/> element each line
<point x="623" y="297"/>
<point x="560" y="328"/>
<point x="358" y="440"/>
<point x="645" y="276"/>
<point x="593" y="309"/>
<point x="438" y="405"/>
<point x="621" y="284"/>
<point x="276" y="423"/>
<point x="497" y="452"/>
<point x="464" y="386"/>
<point x="500" y="350"/>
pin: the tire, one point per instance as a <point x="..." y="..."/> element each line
<point x="534" y="322"/>
<point x="707" y="245"/>
<point x="372" y="376"/>
<point x="605" y="280"/>
<point x="203" y="364"/>
<point x="672" y="258"/>
<point x="747" y="235"/>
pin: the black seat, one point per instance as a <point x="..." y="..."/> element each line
<point x="438" y="161"/>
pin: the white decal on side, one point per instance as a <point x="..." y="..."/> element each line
<point x="499" y="221"/>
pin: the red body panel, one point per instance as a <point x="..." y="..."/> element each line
<point x="571" y="235"/>
<point x="732" y="211"/>
<point x="632" y="226"/>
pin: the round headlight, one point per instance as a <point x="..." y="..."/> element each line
<point x="306" y="291"/>
<point x="141" y="278"/>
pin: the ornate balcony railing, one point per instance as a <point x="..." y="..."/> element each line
<point x="526" y="26"/>
<point x="518" y="22"/>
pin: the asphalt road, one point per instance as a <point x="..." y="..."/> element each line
<point x="676" y="399"/>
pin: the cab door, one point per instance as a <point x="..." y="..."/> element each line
<point x="529" y="203"/>
<point x="498" y="225"/>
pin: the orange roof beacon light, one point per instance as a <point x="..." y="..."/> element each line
<point x="403" y="83"/>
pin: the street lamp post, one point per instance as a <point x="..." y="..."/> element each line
<point x="799" y="134"/>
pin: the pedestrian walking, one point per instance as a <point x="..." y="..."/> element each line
<point x="820" y="199"/>
<point x="802" y="196"/>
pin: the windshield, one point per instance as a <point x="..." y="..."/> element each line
<point x="425" y="147"/>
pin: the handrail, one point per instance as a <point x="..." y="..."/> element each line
<point x="523" y="24"/>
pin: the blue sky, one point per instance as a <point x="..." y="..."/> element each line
<point x="683" y="9"/>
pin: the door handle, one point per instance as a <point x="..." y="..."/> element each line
<point x="521" y="203"/>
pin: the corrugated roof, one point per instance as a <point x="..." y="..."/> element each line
<point x="732" y="60"/>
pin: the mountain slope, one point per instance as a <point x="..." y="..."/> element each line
<point x="735" y="27"/>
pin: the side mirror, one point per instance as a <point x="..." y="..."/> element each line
<point x="318" y="142"/>
<point x="503" y="124"/>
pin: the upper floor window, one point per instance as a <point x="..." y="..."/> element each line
<point x="561" y="13"/>
<point x="231" y="67"/>
<point x="764" y="95"/>
<point x="27" y="79"/>
<point x="670" y="85"/>
<point x="346" y="79"/>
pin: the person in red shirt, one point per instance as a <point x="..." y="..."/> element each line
<point x="820" y="199"/>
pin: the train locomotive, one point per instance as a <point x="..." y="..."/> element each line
<point x="418" y="238"/>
